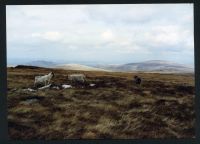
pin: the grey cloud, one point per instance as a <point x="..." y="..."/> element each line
<point x="81" y="29"/>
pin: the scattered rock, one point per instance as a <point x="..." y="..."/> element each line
<point x="92" y="85"/>
<point x="56" y="87"/>
<point x="66" y="86"/>
<point x="44" y="87"/>
<point x="29" y="89"/>
<point x="29" y="101"/>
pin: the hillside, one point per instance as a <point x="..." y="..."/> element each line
<point x="113" y="107"/>
<point x="153" y="66"/>
<point x="41" y="63"/>
<point x="78" y="67"/>
<point x="150" y="66"/>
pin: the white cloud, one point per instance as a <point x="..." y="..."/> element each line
<point x="119" y="31"/>
<point x="107" y="35"/>
<point x="164" y="35"/>
<point x="169" y="35"/>
<point x="51" y="35"/>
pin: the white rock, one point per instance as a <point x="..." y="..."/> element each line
<point x="44" y="87"/>
<point x="66" y="86"/>
<point x="29" y="89"/>
<point x="92" y="85"/>
<point x="56" y="87"/>
<point x="27" y="102"/>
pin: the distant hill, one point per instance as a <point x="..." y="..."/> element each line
<point x="25" y="66"/>
<point x="41" y="63"/>
<point x="78" y="67"/>
<point x="150" y="66"/>
<point x="158" y="66"/>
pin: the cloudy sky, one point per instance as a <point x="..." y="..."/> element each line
<point x="101" y="33"/>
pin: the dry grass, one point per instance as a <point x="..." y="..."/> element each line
<point x="163" y="107"/>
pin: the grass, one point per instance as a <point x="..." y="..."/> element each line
<point x="115" y="108"/>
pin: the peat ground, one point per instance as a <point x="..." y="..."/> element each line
<point x="114" y="108"/>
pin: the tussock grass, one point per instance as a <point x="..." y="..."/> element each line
<point x="115" y="108"/>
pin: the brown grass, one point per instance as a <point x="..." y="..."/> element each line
<point x="162" y="107"/>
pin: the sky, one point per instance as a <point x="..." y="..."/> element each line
<point x="101" y="33"/>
